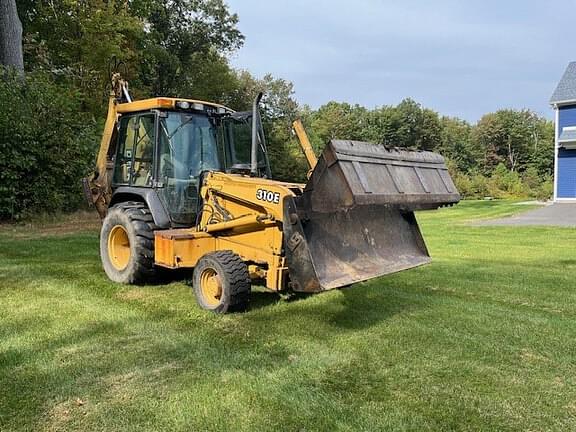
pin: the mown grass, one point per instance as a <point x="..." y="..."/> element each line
<point x="482" y="339"/>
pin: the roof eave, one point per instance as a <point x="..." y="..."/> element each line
<point x="563" y="102"/>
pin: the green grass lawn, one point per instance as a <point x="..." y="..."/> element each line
<point x="482" y="339"/>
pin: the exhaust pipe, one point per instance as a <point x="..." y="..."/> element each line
<point x="255" y="137"/>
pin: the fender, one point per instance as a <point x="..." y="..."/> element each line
<point x="149" y="196"/>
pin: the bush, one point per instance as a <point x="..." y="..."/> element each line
<point x="463" y="184"/>
<point x="546" y="189"/>
<point x="46" y="146"/>
<point x="531" y="179"/>
<point x="479" y="185"/>
<point x="503" y="184"/>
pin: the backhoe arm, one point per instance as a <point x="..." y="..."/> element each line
<point x="97" y="187"/>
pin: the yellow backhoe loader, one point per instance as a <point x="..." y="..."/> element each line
<point x="183" y="183"/>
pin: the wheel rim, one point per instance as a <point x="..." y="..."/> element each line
<point x="119" y="247"/>
<point x="211" y="287"/>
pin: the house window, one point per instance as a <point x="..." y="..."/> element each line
<point x="567" y="137"/>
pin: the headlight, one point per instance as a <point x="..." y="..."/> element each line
<point x="183" y="105"/>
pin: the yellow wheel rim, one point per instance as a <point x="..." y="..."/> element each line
<point x="119" y="247"/>
<point x="211" y="287"/>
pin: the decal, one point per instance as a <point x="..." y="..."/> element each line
<point x="268" y="196"/>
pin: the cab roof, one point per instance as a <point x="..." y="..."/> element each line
<point x="165" y="103"/>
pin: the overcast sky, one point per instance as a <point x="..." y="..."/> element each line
<point x="459" y="58"/>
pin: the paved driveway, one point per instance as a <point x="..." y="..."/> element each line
<point x="552" y="214"/>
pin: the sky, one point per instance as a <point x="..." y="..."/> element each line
<point x="459" y="58"/>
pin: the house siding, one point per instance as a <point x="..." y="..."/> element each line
<point x="566" y="117"/>
<point x="566" y="160"/>
<point x="566" y="173"/>
<point x="564" y="102"/>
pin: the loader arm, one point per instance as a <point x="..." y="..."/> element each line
<point x="239" y="213"/>
<point x="305" y="145"/>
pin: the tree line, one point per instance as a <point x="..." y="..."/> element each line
<point x="55" y="89"/>
<point x="508" y="153"/>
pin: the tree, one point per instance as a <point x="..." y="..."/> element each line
<point x="170" y="48"/>
<point x="338" y="120"/>
<point x="516" y="139"/>
<point x="418" y="127"/>
<point x="542" y="154"/>
<point x="179" y="35"/>
<point x="456" y="144"/>
<point x="10" y="36"/>
<point x="383" y="125"/>
<point x="74" y="42"/>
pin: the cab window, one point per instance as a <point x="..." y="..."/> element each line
<point x="134" y="158"/>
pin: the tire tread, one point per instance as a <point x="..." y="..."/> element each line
<point x="142" y="221"/>
<point x="236" y="273"/>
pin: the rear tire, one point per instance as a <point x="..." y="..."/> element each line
<point x="127" y="243"/>
<point x="221" y="282"/>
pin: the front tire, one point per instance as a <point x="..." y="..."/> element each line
<point x="222" y="282"/>
<point x="127" y="243"/>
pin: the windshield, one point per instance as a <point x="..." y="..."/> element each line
<point x="187" y="146"/>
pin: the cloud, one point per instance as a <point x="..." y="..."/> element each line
<point x="457" y="57"/>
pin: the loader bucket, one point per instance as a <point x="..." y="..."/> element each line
<point x="355" y="221"/>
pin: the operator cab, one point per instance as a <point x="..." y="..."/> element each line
<point x="169" y="150"/>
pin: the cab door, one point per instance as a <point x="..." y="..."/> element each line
<point x="134" y="164"/>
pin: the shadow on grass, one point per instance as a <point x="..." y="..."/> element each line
<point x="85" y="363"/>
<point x="166" y="276"/>
<point x="264" y="299"/>
<point x="366" y="305"/>
<point x="29" y="383"/>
